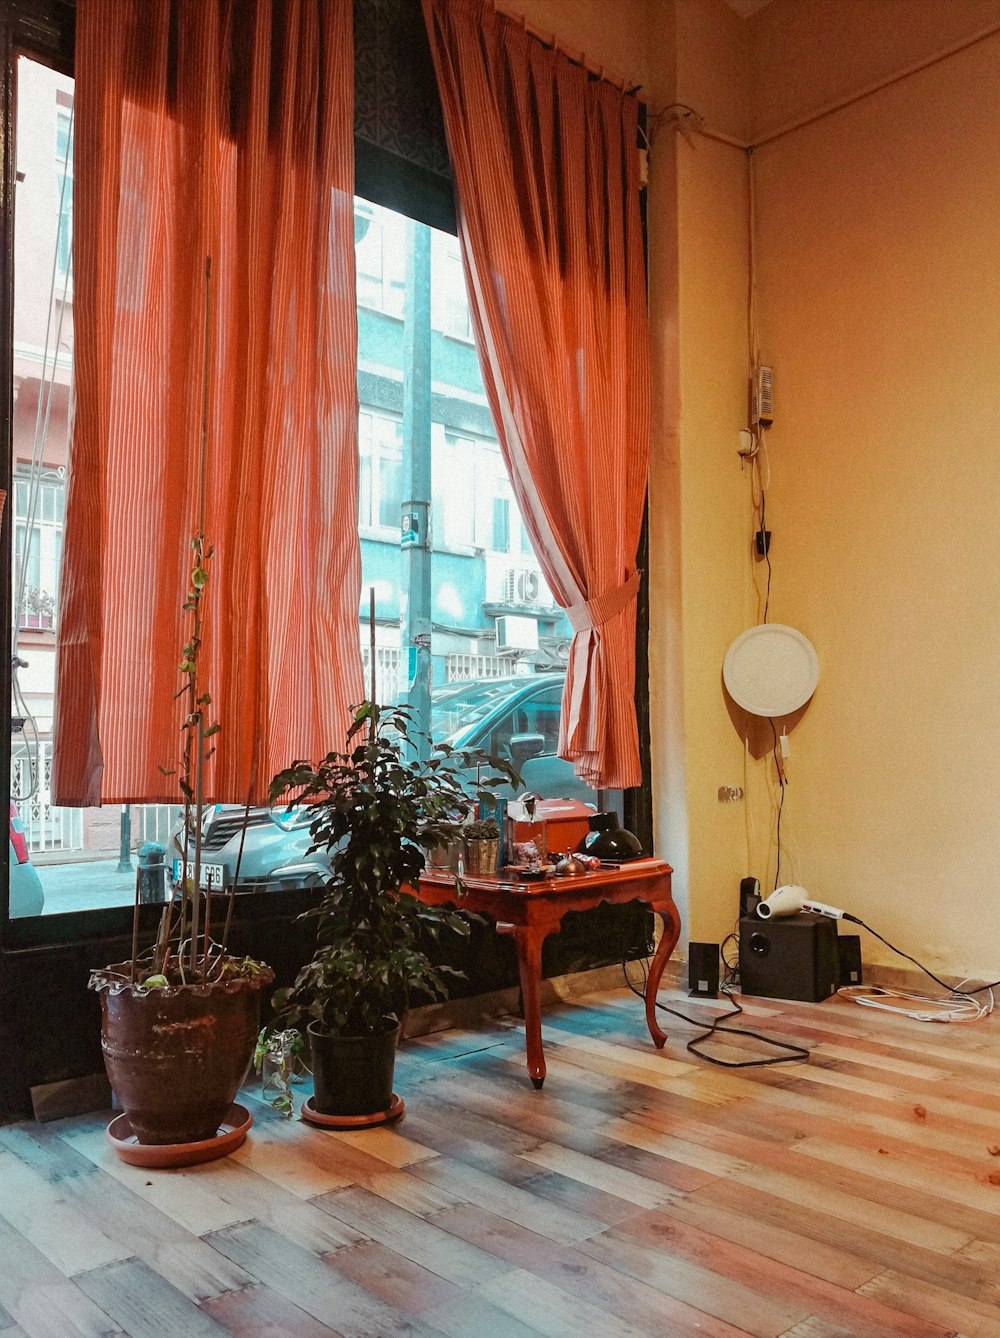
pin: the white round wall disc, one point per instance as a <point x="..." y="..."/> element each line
<point x="771" y="670"/>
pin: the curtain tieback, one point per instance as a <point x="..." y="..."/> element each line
<point x="594" y="612"/>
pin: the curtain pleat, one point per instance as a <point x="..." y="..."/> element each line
<point x="221" y="129"/>
<point x="547" y="180"/>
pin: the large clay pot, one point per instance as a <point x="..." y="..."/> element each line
<point x="176" y="1056"/>
<point x="352" y="1075"/>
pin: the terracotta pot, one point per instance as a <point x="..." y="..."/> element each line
<point x="352" y="1075"/>
<point x="176" y="1056"/>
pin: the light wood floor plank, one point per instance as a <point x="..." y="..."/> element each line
<point x="517" y="1204"/>
<point x="916" y="1296"/>
<point x="314" y="1285"/>
<point x="412" y="1238"/>
<point x="35" y="1208"/>
<point x="258" y="1312"/>
<point x="144" y="1304"/>
<point x="599" y="1285"/>
<point x="41" y="1299"/>
<point x="638" y="1193"/>
<point x="795" y="1284"/>
<point x="177" y="1194"/>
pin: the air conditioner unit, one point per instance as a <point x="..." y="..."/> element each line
<point x="515" y="633"/>
<point x="522" y="585"/>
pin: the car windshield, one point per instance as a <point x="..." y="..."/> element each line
<point x="455" y="708"/>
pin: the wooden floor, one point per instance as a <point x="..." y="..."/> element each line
<point x="638" y="1193"/>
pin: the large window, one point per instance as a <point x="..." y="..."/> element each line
<point x="493" y="623"/>
<point x="461" y="603"/>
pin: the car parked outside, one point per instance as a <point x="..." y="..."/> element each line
<point x="515" y="718"/>
<point x="274" y="850"/>
<point x="26" y="896"/>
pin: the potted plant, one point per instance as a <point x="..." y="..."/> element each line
<point x="278" y="1058"/>
<point x="480" y="841"/>
<point x="375" y="808"/>
<point x="180" y="1020"/>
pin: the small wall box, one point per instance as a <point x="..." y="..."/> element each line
<point x="794" y="957"/>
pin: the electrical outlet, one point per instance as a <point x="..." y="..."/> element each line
<point x="729" y="794"/>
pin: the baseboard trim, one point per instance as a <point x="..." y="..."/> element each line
<point x="71" y="1096"/>
<point x="462" y="1013"/>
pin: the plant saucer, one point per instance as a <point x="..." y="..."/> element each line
<point x="312" y="1116"/>
<point x="232" y="1133"/>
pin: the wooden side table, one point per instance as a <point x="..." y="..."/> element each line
<point x="530" y="911"/>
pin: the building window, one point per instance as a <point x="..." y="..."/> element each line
<point x="39" y="512"/>
<point x="449" y="303"/>
<point x="501" y="525"/>
<point x="380" y="247"/>
<point x="64" y="190"/>
<point x="380" y="453"/>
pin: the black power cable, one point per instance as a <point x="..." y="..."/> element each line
<point x="979" y="989"/>
<point x="797" y="1052"/>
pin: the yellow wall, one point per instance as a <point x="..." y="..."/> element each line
<point x="711" y="205"/>
<point x="880" y="291"/>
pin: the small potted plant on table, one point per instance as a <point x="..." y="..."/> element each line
<point x="375" y="808"/>
<point x="480" y="841"/>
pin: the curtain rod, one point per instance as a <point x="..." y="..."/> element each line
<point x="627" y="86"/>
<point x="687" y="121"/>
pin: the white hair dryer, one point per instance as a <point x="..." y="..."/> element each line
<point x="790" y="900"/>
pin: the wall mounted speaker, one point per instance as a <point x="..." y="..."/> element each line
<point x="791" y="958"/>
<point x="703" y="970"/>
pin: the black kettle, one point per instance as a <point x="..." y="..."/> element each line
<point x="608" y="839"/>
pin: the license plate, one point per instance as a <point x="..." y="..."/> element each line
<point x="213" y="876"/>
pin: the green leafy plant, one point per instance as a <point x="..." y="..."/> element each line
<point x="485" y="829"/>
<point x="280" y="1059"/>
<point x="376" y="808"/>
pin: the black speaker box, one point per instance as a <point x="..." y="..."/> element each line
<point x="849" y="953"/>
<point x="703" y="970"/>
<point x="793" y="957"/>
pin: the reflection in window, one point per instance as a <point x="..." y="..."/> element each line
<point x="64" y="167"/>
<point x="380" y="248"/>
<point x="380" y="453"/>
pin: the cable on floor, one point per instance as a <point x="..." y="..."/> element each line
<point x="796" y="1053"/>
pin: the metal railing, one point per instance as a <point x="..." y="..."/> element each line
<point x="386" y="672"/>
<point x="46" y="827"/>
<point x="459" y="667"/>
<point x="154" y="822"/>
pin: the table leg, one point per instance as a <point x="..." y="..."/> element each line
<point x="668" y="941"/>
<point x="528" y="942"/>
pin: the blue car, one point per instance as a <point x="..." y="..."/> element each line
<point x="515" y="718"/>
<point x="26" y="897"/>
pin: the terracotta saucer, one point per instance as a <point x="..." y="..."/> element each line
<point x="232" y="1132"/>
<point x="311" y="1116"/>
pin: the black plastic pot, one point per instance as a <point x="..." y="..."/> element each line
<point x="352" y="1075"/>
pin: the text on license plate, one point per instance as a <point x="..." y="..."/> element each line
<point x="212" y="875"/>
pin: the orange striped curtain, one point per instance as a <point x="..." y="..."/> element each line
<point x="546" y="172"/>
<point x="218" y="128"/>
